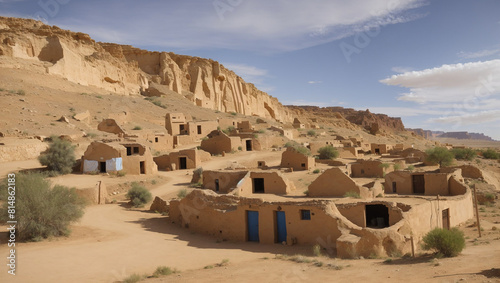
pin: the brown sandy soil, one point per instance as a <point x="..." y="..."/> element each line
<point x="111" y="242"/>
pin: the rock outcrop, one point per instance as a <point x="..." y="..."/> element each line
<point x="126" y="70"/>
<point x="373" y="123"/>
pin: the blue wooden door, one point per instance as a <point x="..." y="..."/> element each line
<point x="253" y="226"/>
<point x="281" y="226"/>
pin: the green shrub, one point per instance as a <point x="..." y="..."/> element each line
<point x="228" y="130"/>
<point x="21" y="92"/>
<point x="491" y="154"/>
<point x="410" y="168"/>
<point x="397" y="166"/>
<point x="41" y="211"/>
<point x="137" y="128"/>
<point x="311" y="133"/>
<point x="121" y="173"/>
<point x="328" y="152"/>
<point x="163" y="271"/>
<point x="182" y="193"/>
<point x="439" y="155"/>
<point x="139" y="195"/>
<point x="262" y="131"/>
<point x="306" y="192"/>
<point x="464" y="153"/>
<point x="317" y="250"/>
<point x="134" y="278"/>
<point x="299" y="148"/>
<point x="316" y="171"/>
<point x="447" y="242"/>
<point x="240" y="148"/>
<point x="59" y="157"/>
<point x="234" y="113"/>
<point x="352" y="194"/>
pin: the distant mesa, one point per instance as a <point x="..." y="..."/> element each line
<point x="455" y="135"/>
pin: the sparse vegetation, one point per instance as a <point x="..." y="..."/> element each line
<point x="134" y="278"/>
<point x="306" y="192"/>
<point x="41" y="211"/>
<point x="182" y="193"/>
<point x="491" y="154"/>
<point x="317" y="250"/>
<point x="228" y="130"/>
<point x="21" y="92"/>
<point x="234" y="113"/>
<point x="410" y="168"/>
<point x="121" y="173"/>
<point x="240" y="148"/>
<point x="328" y="152"/>
<point x="397" y="167"/>
<point x="91" y="135"/>
<point x="464" y="153"/>
<point x="449" y="243"/>
<point x="262" y="131"/>
<point x="299" y="148"/>
<point x="440" y="156"/>
<point x="311" y="133"/>
<point x="59" y="157"/>
<point x="352" y="194"/>
<point x="163" y="271"/>
<point x="137" y="128"/>
<point x="139" y="195"/>
<point x="316" y="171"/>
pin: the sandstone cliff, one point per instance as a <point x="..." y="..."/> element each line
<point x="126" y="70"/>
<point x="374" y="123"/>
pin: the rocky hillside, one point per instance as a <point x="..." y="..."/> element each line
<point x="127" y="70"/>
<point x="454" y="135"/>
<point x="374" y="123"/>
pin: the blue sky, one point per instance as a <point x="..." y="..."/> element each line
<point x="435" y="64"/>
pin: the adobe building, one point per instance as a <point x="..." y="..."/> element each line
<point x="247" y="183"/>
<point x="344" y="228"/>
<point x="132" y="157"/>
<point x="291" y="158"/>
<point x="287" y="133"/>
<point x="370" y="169"/>
<point x="314" y="146"/>
<point x="334" y="182"/>
<point x="218" y="142"/>
<point x="185" y="131"/>
<point x="425" y="183"/>
<point x="298" y="124"/>
<point x="380" y="148"/>
<point x="181" y="160"/>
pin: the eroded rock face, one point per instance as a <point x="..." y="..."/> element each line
<point x="126" y="70"/>
<point x="374" y="123"/>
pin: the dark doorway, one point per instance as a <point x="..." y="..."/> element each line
<point x="199" y="130"/>
<point x="103" y="167"/>
<point x="377" y="151"/>
<point x="253" y="226"/>
<point x="141" y="165"/>
<point x="181" y="128"/>
<point x="394" y="189"/>
<point x="418" y="184"/>
<point x="446" y="219"/>
<point x="249" y="145"/>
<point x="182" y="163"/>
<point x="129" y="151"/>
<point x="217" y="185"/>
<point x="280" y="227"/>
<point x="258" y="185"/>
<point x="156" y="139"/>
<point x="377" y="216"/>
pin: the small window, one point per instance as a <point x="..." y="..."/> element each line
<point x="129" y="151"/>
<point x="305" y="214"/>
<point x="362" y="171"/>
<point x="156" y="139"/>
<point x="303" y="165"/>
<point x="136" y="150"/>
<point x="394" y="187"/>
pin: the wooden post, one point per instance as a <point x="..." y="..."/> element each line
<point x="412" y="247"/>
<point x="477" y="213"/>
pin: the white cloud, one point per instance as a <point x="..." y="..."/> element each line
<point x="244" y="25"/>
<point x="401" y="69"/>
<point x="459" y="94"/>
<point x="450" y="83"/>
<point x="314" y="82"/>
<point x="478" y="54"/>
